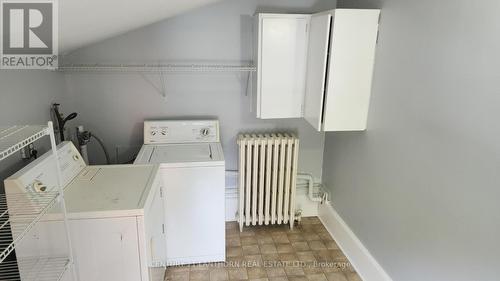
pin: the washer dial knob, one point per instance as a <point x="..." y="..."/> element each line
<point x="205" y="132"/>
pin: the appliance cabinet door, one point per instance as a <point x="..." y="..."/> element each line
<point x="155" y="230"/>
<point x="106" y="249"/>
<point x="195" y="214"/>
<point x="350" y="71"/>
<point x="281" y="66"/>
<point x="317" y="61"/>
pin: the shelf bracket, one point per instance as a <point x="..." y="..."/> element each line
<point x="161" y="89"/>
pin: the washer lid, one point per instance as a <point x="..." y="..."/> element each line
<point x="113" y="188"/>
<point x="176" y="153"/>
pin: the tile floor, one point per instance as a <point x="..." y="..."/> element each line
<point x="274" y="253"/>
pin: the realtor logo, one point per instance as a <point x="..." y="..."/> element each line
<point x="28" y="34"/>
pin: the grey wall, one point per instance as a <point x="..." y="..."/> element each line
<point x="115" y="105"/>
<point x="420" y="187"/>
<point x="25" y="98"/>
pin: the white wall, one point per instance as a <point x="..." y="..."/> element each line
<point x="25" y="98"/>
<point x="420" y="187"/>
<point x="115" y="105"/>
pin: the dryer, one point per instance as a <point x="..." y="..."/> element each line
<point x="192" y="168"/>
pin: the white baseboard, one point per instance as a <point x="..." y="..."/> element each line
<point x="361" y="259"/>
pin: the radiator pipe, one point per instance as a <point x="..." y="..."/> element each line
<point x="310" y="179"/>
<point x="307" y="177"/>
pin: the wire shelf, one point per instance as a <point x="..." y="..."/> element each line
<point x="14" y="138"/>
<point x="23" y="212"/>
<point x="156" y="68"/>
<point x="34" y="268"/>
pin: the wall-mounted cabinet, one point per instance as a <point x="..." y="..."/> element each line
<point x="281" y="54"/>
<point x="337" y="73"/>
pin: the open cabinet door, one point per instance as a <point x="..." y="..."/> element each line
<point x="351" y="71"/>
<point x="317" y="60"/>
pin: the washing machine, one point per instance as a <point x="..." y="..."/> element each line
<point x="115" y="215"/>
<point x="192" y="168"/>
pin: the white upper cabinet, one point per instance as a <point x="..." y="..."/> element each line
<point x="319" y="67"/>
<point x="350" y="69"/>
<point x="281" y="54"/>
<point x="317" y="62"/>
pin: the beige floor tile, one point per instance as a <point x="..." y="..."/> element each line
<point x="232" y="225"/>
<point x="256" y="272"/>
<point x="235" y="260"/>
<point x="306" y="256"/>
<point x="284" y="248"/>
<point x="316" y="277"/>
<point x="218" y="274"/>
<point x="199" y="267"/>
<point x="265" y="239"/>
<point x="310" y="220"/>
<point x="200" y="275"/>
<point x="175" y="269"/>
<point x="295" y="237"/>
<point x="281" y="238"/>
<point x="251" y="250"/>
<point x="311" y="236"/>
<point x="308" y="227"/>
<point x="280" y="278"/>
<point x="275" y="272"/>
<point x="234" y="251"/>
<point x="316" y="245"/>
<point x="268" y="249"/>
<point x="233" y="241"/>
<point x="247" y="231"/>
<point x="249" y="240"/>
<point x="178" y="276"/>
<point x="300" y="246"/>
<point x="237" y="273"/>
<point x="312" y="269"/>
<point x="323" y="256"/>
<point x="297" y="278"/>
<point x="336" y="276"/>
<point x="294" y="271"/>
<point x="270" y="257"/>
<point x="353" y="276"/>
<point x="253" y="260"/>
<point x="271" y="253"/>
<point x="232" y="232"/>
<point x="331" y="245"/>
<point x="290" y="257"/>
<point x="325" y="236"/>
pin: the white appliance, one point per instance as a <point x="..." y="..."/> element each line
<point x="193" y="172"/>
<point x="115" y="215"/>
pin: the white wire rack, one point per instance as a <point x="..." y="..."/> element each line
<point x="20" y="212"/>
<point x="34" y="268"/>
<point x="14" y="138"/>
<point x="156" y="68"/>
<point x="17" y="218"/>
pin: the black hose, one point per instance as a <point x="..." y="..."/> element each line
<point x="103" y="148"/>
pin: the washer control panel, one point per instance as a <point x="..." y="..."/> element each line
<point x="40" y="175"/>
<point x="181" y="131"/>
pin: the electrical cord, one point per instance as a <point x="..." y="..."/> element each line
<point x="101" y="143"/>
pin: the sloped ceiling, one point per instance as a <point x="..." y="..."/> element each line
<point x="82" y="22"/>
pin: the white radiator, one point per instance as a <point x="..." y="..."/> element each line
<point x="267" y="178"/>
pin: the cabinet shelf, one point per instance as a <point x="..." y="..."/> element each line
<point x="14" y="138"/>
<point x="34" y="268"/>
<point x="19" y="217"/>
